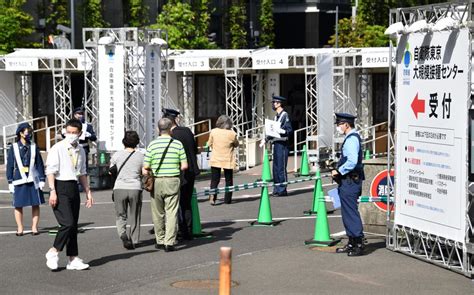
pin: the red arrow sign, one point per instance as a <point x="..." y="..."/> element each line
<point x="418" y="105"/>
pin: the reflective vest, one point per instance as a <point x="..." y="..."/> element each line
<point x="280" y="120"/>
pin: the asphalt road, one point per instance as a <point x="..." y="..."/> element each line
<point x="266" y="260"/>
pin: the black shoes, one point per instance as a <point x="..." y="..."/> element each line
<point x="159" y="246"/>
<point x="282" y="194"/>
<point x="152" y="231"/>
<point x="354" y="247"/>
<point x="127" y="244"/>
<point x="167" y="248"/>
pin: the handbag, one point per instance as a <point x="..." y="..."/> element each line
<point x="114" y="173"/>
<point x="148" y="181"/>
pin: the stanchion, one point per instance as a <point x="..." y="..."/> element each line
<point x="225" y="271"/>
<point x="264" y="211"/>
<point x="197" y="229"/>
<point x="321" y="229"/>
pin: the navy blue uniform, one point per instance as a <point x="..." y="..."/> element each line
<point x="280" y="152"/>
<point x="350" y="187"/>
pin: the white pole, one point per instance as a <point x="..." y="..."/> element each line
<point x="73" y="27"/>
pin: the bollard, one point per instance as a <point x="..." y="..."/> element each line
<point x="225" y="271"/>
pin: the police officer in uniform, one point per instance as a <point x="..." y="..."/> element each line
<point x="188" y="176"/>
<point x="280" y="146"/>
<point x="349" y="176"/>
<point x="88" y="130"/>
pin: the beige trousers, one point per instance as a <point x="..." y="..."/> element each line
<point x="164" y="209"/>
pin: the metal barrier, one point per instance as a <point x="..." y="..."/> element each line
<point x="374" y="139"/>
<point x="247" y="138"/>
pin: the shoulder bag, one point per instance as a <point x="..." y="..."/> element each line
<point x="148" y="181"/>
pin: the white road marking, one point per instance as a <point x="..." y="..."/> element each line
<point x="203" y="222"/>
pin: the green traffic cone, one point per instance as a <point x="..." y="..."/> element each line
<point x="367" y="155"/>
<point x="264" y="211"/>
<point x="317" y="194"/>
<point x="196" y="228"/>
<point x="304" y="168"/>
<point x="266" y="172"/>
<point x="321" y="229"/>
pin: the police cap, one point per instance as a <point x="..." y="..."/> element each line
<point x="278" y="98"/>
<point x="78" y="110"/>
<point x="171" y="112"/>
<point x="22" y="127"/>
<point x="345" y="117"/>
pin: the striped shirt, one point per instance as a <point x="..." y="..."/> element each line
<point x="171" y="163"/>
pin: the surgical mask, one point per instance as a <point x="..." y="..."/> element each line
<point x="71" y="138"/>
<point x="339" y="130"/>
<point x="28" y="137"/>
<point x="83" y="120"/>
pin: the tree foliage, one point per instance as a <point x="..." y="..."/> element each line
<point x="136" y="13"/>
<point x="237" y="20"/>
<point x="92" y="14"/>
<point x="185" y="30"/>
<point x="15" y="26"/>
<point x="267" y="24"/>
<point x="55" y="14"/>
<point x="359" y="34"/>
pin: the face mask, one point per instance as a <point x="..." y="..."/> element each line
<point x="83" y="120"/>
<point x="28" y="137"/>
<point x="71" y="138"/>
<point x="339" y="130"/>
<point x="274" y="107"/>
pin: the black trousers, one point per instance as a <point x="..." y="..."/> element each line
<point x="185" y="222"/>
<point x="216" y="178"/>
<point x="67" y="215"/>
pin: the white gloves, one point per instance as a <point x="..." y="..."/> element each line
<point x="41" y="185"/>
<point x="262" y="143"/>
<point x="88" y="134"/>
<point x="281" y="131"/>
<point x="11" y="188"/>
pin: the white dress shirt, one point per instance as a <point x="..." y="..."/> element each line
<point x="66" y="162"/>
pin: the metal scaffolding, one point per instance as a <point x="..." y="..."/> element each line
<point x="62" y="93"/>
<point x="134" y="42"/>
<point x="24" y="97"/>
<point x="186" y="98"/>
<point x="427" y="246"/>
<point x="259" y="84"/>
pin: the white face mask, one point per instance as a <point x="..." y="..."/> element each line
<point x="71" y="138"/>
<point x="339" y="130"/>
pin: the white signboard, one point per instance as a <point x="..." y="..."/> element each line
<point x="271" y="128"/>
<point x="265" y="61"/>
<point x="431" y="132"/>
<point x="191" y="64"/>
<point x="111" y="96"/>
<point x="152" y="91"/>
<point x="375" y="60"/>
<point x="21" y="64"/>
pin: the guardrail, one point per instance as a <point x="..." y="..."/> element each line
<point x="247" y="150"/>
<point x="374" y="139"/>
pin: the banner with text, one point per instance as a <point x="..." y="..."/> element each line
<point x="431" y="132"/>
<point x="111" y="96"/>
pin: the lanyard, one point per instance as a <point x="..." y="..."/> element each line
<point x="74" y="158"/>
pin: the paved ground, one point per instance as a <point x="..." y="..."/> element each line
<point x="266" y="260"/>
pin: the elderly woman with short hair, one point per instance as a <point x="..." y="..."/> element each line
<point x="223" y="141"/>
<point x="128" y="189"/>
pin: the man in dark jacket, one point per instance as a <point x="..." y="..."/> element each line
<point x="88" y="132"/>
<point x="186" y="137"/>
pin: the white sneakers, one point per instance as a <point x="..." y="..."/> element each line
<point x="77" y="264"/>
<point x="52" y="260"/>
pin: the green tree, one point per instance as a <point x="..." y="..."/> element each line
<point x="203" y="15"/>
<point x="15" y="26"/>
<point x="136" y="13"/>
<point x="359" y="34"/>
<point x="182" y="25"/>
<point x="267" y="24"/>
<point x="92" y="14"/>
<point x="237" y="20"/>
<point x="56" y="14"/>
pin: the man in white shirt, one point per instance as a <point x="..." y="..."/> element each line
<point x="65" y="165"/>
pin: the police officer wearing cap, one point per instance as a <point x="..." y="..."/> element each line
<point x="280" y="146"/>
<point x="88" y="130"/>
<point x="349" y="176"/>
<point x="188" y="176"/>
